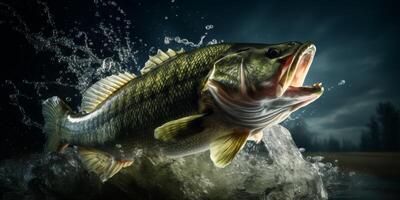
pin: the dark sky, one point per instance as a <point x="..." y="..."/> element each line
<point x="357" y="43"/>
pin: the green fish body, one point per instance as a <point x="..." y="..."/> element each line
<point x="213" y="98"/>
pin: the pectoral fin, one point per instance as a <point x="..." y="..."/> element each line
<point x="173" y="130"/>
<point x="224" y="149"/>
<point x="102" y="163"/>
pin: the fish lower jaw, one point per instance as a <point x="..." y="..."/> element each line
<point x="311" y="91"/>
<point x="317" y="87"/>
<point x="304" y="95"/>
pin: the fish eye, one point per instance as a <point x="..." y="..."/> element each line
<point x="272" y="53"/>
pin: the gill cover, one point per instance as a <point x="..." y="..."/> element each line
<point x="228" y="74"/>
<point x="247" y="70"/>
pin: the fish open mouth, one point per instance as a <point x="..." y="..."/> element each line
<point x="293" y="74"/>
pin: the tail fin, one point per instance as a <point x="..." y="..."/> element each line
<point x="53" y="109"/>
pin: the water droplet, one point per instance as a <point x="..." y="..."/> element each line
<point x="342" y="82"/>
<point x="108" y="63"/>
<point x="209" y="27"/>
<point x="167" y="40"/>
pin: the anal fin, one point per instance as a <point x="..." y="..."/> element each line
<point x="102" y="163"/>
<point x="224" y="149"/>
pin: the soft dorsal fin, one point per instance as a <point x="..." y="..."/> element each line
<point x="158" y="59"/>
<point x="102" y="89"/>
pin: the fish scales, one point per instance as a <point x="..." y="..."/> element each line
<point x="213" y="98"/>
<point x="168" y="92"/>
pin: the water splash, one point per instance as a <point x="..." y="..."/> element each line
<point x="209" y="27"/>
<point x="342" y="82"/>
<point x="272" y="169"/>
<point x="85" y="63"/>
<point x="15" y="101"/>
<point x="76" y="51"/>
<point x="335" y="180"/>
<point x="84" y="53"/>
<point x="186" y="42"/>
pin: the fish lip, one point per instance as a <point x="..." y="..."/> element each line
<point x="302" y="63"/>
<point x="294" y="73"/>
<point x="294" y="76"/>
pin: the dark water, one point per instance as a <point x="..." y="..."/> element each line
<point x="363" y="186"/>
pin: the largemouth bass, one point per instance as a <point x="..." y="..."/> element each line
<point x="212" y="98"/>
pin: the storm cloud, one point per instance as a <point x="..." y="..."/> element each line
<point x="357" y="44"/>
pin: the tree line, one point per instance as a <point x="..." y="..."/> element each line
<point x="383" y="130"/>
<point x="382" y="133"/>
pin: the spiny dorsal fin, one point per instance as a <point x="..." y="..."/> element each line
<point x="102" y="89"/>
<point x="159" y="58"/>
